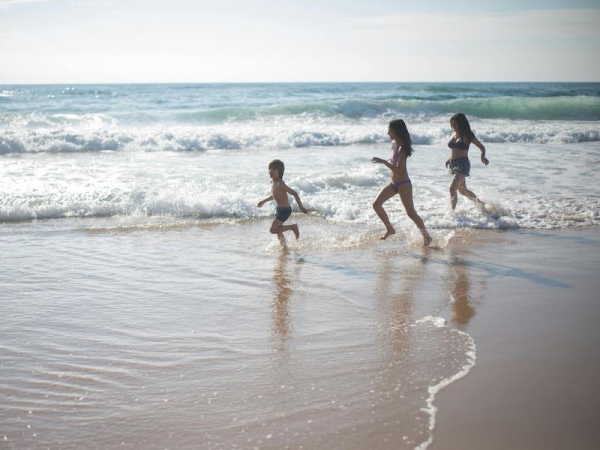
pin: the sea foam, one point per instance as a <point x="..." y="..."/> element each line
<point x="296" y="133"/>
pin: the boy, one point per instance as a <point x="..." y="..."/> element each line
<point x="280" y="192"/>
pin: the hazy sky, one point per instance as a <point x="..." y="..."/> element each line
<point x="97" y="41"/>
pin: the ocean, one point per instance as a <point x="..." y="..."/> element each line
<point x="182" y="152"/>
<point x="145" y="304"/>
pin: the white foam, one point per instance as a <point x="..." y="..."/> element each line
<point x="435" y="321"/>
<point x="471" y="355"/>
<point x="522" y="187"/>
<point x="90" y="132"/>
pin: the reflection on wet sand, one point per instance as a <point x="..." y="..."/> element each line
<point x="282" y="292"/>
<point x="462" y="309"/>
<point x="395" y="292"/>
<point x="461" y="291"/>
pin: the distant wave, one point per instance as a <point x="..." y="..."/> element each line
<point x="284" y="134"/>
<point x="209" y="104"/>
<point x="514" y="108"/>
<point x="520" y="108"/>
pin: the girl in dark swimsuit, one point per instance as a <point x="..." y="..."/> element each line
<point x="458" y="163"/>
<point x="399" y="183"/>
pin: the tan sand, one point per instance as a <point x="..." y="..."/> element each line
<point x="535" y="383"/>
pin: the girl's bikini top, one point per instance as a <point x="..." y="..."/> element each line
<point x="459" y="145"/>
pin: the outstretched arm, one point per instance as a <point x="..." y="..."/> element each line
<point x="294" y="194"/>
<point x="475" y="141"/>
<point x="262" y="202"/>
<point x="399" y="169"/>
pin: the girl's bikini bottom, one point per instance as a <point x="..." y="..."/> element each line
<point x="397" y="185"/>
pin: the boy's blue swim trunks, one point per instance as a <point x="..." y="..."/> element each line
<point x="283" y="213"/>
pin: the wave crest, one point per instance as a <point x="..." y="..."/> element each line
<point x="287" y="134"/>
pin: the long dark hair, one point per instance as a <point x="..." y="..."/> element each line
<point x="399" y="127"/>
<point x="464" y="129"/>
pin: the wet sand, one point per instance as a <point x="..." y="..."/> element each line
<point x="535" y="383"/>
<point x="196" y="336"/>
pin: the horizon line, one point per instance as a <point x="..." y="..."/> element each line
<point x="292" y="82"/>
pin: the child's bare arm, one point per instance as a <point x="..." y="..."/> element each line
<point x="475" y="141"/>
<point x="377" y="160"/>
<point x="262" y="202"/>
<point x="294" y="194"/>
<point x="399" y="169"/>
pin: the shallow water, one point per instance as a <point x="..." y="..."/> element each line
<point x="211" y="337"/>
<point x="525" y="186"/>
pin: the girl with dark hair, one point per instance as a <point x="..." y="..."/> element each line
<point x="399" y="181"/>
<point x="458" y="163"/>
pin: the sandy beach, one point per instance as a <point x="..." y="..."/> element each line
<point x="209" y="336"/>
<point x="535" y="381"/>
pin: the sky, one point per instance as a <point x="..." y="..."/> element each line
<point x="146" y="41"/>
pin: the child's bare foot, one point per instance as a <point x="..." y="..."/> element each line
<point x="296" y="230"/>
<point x="426" y="240"/>
<point x="387" y="234"/>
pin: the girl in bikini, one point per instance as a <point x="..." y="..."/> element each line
<point x="458" y="163"/>
<point x="399" y="181"/>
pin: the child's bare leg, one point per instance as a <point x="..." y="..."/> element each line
<point x="275" y="226"/>
<point x="279" y="228"/>
<point x="293" y="227"/>
<point x="469" y="194"/>
<point x="453" y="189"/>
<point x="462" y="188"/>
<point x="282" y="241"/>
<point x="407" y="201"/>
<point x="384" y="195"/>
